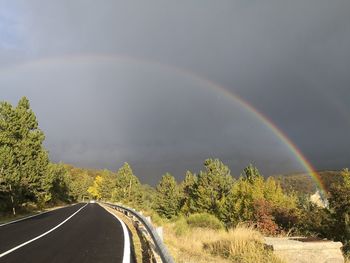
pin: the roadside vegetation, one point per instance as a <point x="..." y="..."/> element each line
<point x="261" y="204"/>
<point x="202" y="214"/>
<point x="240" y="244"/>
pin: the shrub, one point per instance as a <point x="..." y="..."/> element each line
<point x="263" y="218"/>
<point x="204" y="220"/>
<point x="286" y="218"/>
<point x="313" y="220"/>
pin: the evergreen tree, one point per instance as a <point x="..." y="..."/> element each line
<point x="168" y="197"/>
<point x="212" y="187"/>
<point x="187" y="189"/>
<point x="23" y="160"/>
<point x="106" y="187"/>
<point x="251" y="172"/>
<point x="339" y="203"/>
<point x="59" y="183"/>
<point x="127" y="186"/>
<point x="148" y="196"/>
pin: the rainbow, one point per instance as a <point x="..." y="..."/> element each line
<point x="206" y="83"/>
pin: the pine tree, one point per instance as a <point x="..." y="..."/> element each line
<point x="187" y="189"/>
<point x="168" y="197"/>
<point x="57" y="178"/>
<point x="251" y="172"/>
<point x="212" y="187"/>
<point x="127" y="186"/>
<point x="23" y="160"/>
<point x="106" y="187"/>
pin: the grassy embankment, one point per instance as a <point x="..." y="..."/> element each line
<point x="202" y="238"/>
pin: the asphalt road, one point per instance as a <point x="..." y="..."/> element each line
<point x="90" y="235"/>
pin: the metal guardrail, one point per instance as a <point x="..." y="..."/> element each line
<point x="161" y="248"/>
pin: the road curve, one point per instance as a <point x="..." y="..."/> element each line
<point x="90" y="235"/>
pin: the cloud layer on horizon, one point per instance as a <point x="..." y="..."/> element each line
<point x="289" y="60"/>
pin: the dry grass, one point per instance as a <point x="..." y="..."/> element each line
<point x="188" y="245"/>
<point x="207" y="245"/>
<point x="242" y="245"/>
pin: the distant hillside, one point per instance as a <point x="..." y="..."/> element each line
<point x="74" y="171"/>
<point x="303" y="183"/>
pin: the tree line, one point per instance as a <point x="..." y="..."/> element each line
<point x="258" y="202"/>
<point x="28" y="178"/>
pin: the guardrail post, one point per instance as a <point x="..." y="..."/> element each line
<point x="159" y="231"/>
<point x="148" y="218"/>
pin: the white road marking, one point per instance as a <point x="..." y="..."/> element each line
<point x="24" y="218"/>
<point x="42" y="235"/>
<point x="126" y="254"/>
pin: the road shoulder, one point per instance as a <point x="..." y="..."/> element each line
<point x="139" y="247"/>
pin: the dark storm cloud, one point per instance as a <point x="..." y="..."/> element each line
<point x="288" y="59"/>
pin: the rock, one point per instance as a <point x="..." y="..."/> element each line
<point x="304" y="250"/>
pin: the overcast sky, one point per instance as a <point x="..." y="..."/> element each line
<point x="115" y="81"/>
